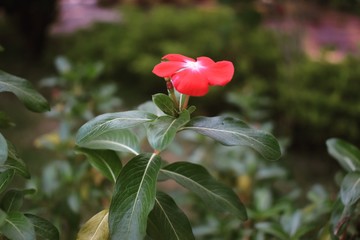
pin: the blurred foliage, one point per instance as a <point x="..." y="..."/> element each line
<point x="132" y="48"/>
<point x="278" y="207"/>
<point x="322" y="96"/>
<point x="67" y="182"/>
<point x="274" y="201"/>
<point x="270" y="69"/>
<point x="307" y="101"/>
<point x="15" y="221"/>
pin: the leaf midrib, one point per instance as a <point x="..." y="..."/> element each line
<point x="29" y="95"/>
<point x="108" y="167"/>
<point x="354" y="186"/>
<point x="91" y="133"/>
<point x="199" y="185"/>
<point x="168" y="219"/>
<point x="15" y="227"/>
<point x="111" y="142"/>
<point x="98" y="227"/>
<point x="168" y="129"/>
<point x="138" y="192"/>
<point x="224" y="131"/>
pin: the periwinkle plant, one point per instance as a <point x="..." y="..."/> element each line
<point x="137" y="210"/>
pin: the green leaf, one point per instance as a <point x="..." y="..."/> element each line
<point x="18" y="227"/>
<point x="5" y="178"/>
<point x="18" y="165"/>
<point x="340" y="218"/>
<point x="291" y="223"/>
<point x="134" y="197"/>
<point x="197" y="179"/>
<point x="5" y="121"/>
<point x="44" y="229"/>
<point x="3" y="149"/>
<point x="273" y="229"/>
<point x="162" y="131"/>
<point x="24" y="91"/>
<point x="12" y="200"/>
<point x="62" y="64"/>
<point x="350" y="188"/>
<point x="165" y="103"/>
<point x="110" y="122"/>
<point x="106" y="161"/>
<point x="118" y="140"/>
<point x="191" y="109"/>
<point x="3" y="217"/>
<point x="15" y="162"/>
<point x="231" y="132"/>
<point x="345" y="153"/>
<point x="96" y="228"/>
<point x="167" y="221"/>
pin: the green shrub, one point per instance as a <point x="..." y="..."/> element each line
<point x="322" y="96"/>
<point x="270" y="68"/>
<point x="130" y="49"/>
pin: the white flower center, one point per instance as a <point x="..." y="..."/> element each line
<point x="196" y="66"/>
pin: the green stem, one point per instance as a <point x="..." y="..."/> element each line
<point x="186" y="102"/>
<point x="171" y="91"/>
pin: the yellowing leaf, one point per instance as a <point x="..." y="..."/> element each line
<point x="96" y="228"/>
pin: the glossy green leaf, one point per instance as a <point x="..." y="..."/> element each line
<point x="197" y="179"/>
<point x="12" y="200"/>
<point x="5" y="179"/>
<point x="167" y="220"/>
<point x="122" y="140"/>
<point x="350" y="188"/>
<point x="345" y="153"/>
<point x="44" y="229"/>
<point x="134" y="197"/>
<point x="18" y="227"/>
<point x="96" y="228"/>
<point x="231" y="132"/>
<point x="111" y="122"/>
<point x="162" y="131"/>
<point x="165" y="104"/>
<point x="24" y="91"/>
<point x="3" y="149"/>
<point x="106" y="161"/>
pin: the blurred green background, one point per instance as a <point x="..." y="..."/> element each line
<point x="296" y="74"/>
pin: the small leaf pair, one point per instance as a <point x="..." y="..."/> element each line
<point x="348" y="157"/>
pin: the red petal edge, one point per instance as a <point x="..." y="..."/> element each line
<point x="167" y="69"/>
<point x="177" y="57"/>
<point x="220" y="73"/>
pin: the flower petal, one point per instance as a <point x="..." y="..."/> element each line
<point x="192" y="83"/>
<point x="167" y="69"/>
<point x="177" y="58"/>
<point x="220" y="73"/>
<point x="205" y="61"/>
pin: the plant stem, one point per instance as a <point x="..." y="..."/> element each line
<point x="171" y="91"/>
<point x="186" y="102"/>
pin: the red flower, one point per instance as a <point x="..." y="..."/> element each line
<point x="192" y="77"/>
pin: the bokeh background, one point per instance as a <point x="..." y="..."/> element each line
<point x="296" y="75"/>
